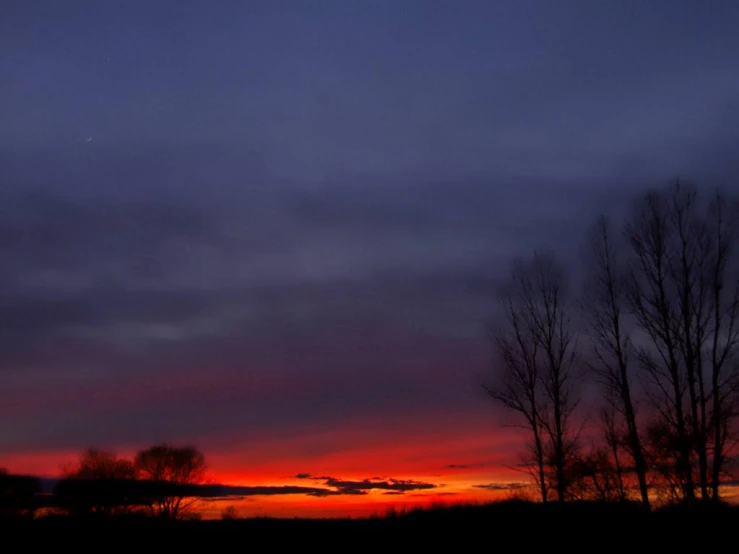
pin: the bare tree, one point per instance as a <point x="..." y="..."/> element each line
<point x="175" y="470"/>
<point x="723" y="224"/>
<point x="98" y="484"/>
<point x="681" y="267"/>
<point x="651" y="299"/>
<point x="100" y="464"/>
<point x="519" y="386"/>
<point x="612" y="347"/>
<point x="553" y="331"/>
<point x="663" y="318"/>
<point x="688" y="273"/>
<point x="536" y="346"/>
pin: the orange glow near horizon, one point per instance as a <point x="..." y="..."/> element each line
<point x="455" y="463"/>
<point x="426" y="456"/>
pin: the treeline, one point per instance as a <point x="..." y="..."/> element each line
<point x="161" y="482"/>
<point x="654" y="328"/>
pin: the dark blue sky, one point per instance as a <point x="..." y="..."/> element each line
<point x="249" y="219"/>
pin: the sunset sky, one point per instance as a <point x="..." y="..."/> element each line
<point x="275" y="229"/>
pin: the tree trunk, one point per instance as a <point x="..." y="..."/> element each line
<point x="717" y="440"/>
<point x="559" y="461"/>
<point x="640" y="466"/>
<point x="540" y="464"/>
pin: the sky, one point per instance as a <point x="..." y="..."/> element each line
<point x="275" y="229"/>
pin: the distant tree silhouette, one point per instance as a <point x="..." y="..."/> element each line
<point x="19" y="495"/>
<point x="100" y="464"/>
<point x="595" y="476"/>
<point x="536" y="347"/>
<point x="664" y="452"/>
<point x="98" y="484"/>
<point x="613" y="441"/>
<point x="175" y="470"/>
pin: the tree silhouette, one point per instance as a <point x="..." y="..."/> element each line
<point x="605" y="310"/>
<point x="536" y="347"/>
<point x="19" y="495"/>
<point x="229" y="513"/>
<point x="174" y="470"/>
<point x="684" y="292"/>
<point x="98" y="484"/>
<point x="662" y="323"/>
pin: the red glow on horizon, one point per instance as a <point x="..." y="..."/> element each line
<point x="455" y="462"/>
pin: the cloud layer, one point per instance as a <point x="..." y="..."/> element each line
<point x="364" y="486"/>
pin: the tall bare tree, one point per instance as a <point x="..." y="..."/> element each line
<point x="553" y="330"/>
<point x="723" y="218"/>
<point x="651" y="297"/>
<point x="683" y="292"/>
<point x="519" y="386"/>
<point x="536" y="346"/>
<point x="663" y="319"/>
<point x="612" y="346"/>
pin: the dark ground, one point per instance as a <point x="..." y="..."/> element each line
<point x="507" y="526"/>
